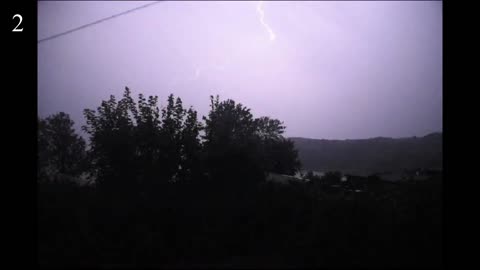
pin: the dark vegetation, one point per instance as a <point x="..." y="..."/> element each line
<point x="167" y="190"/>
<point x="369" y="156"/>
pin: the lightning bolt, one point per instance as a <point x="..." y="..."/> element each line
<point x="261" y="12"/>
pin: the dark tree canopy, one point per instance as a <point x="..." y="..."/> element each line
<point x="60" y="150"/>
<point x="239" y="144"/>
<point x="112" y="142"/>
<point x="282" y="157"/>
<point x="140" y="146"/>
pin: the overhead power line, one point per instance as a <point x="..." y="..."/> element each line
<point x="95" y="22"/>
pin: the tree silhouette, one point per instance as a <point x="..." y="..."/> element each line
<point x="60" y="150"/>
<point x="247" y="147"/>
<point x="282" y="157"/>
<point x="191" y="152"/>
<point x="140" y="147"/>
<point x="148" y="141"/>
<point x="112" y="143"/>
<point x="172" y="124"/>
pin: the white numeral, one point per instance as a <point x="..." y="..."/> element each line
<point x="16" y="27"/>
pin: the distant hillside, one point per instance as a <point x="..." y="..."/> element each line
<point x="373" y="155"/>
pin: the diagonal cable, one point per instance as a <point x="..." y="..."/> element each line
<point x="95" y="22"/>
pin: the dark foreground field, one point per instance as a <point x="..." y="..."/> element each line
<point x="267" y="226"/>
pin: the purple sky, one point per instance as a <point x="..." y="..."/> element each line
<point x="332" y="70"/>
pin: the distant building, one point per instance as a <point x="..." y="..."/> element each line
<point x="421" y="174"/>
<point x="303" y="174"/>
<point x="282" y="178"/>
<point x="391" y="176"/>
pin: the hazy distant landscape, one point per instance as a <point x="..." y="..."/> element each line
<point x="369" y="156"/>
